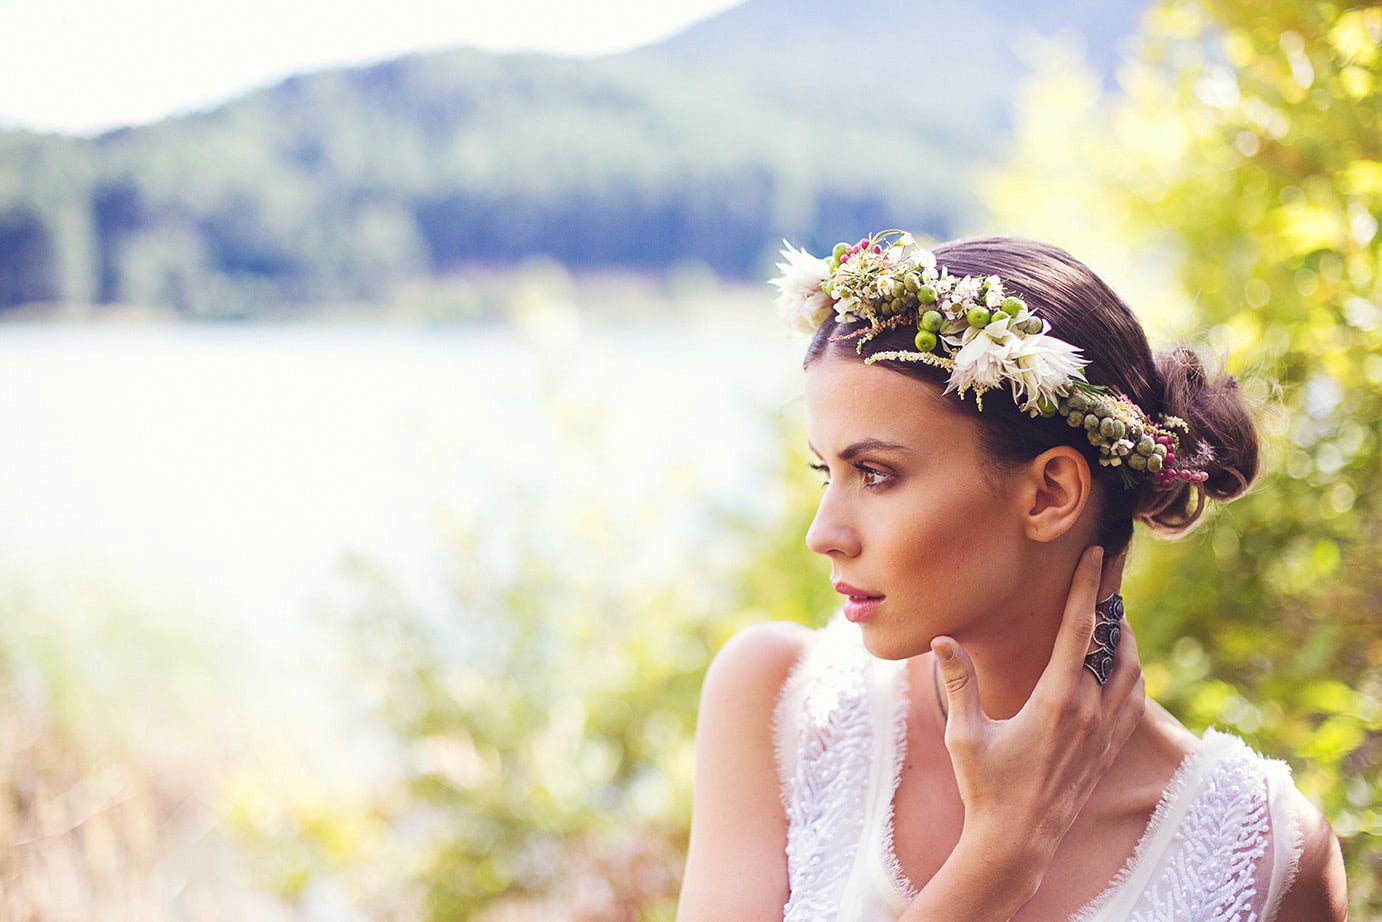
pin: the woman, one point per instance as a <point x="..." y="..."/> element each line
<point x="971" y="740"/>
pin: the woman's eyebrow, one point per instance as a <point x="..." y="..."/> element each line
<point x="860" y="447"/>
<point x="864" y="445"/>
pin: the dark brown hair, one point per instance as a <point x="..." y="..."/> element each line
<point x="1085" y="312"/>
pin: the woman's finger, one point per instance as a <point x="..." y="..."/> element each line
<point x="1126" y="692"/>
<point x="963" y="709"/>
<point x="1111" y="580"/>
<point x="1127" y="667"/>
<point x="1077" y="624"/>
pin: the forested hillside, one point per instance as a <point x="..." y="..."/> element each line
<point x="772" y="119"/>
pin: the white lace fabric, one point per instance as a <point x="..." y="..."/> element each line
<point x="1222" y="845"/>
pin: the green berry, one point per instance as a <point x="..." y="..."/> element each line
<point x="1137" y="462"/>
<point x="1154" y="463"/>
<point x="840" y="250"/>
<point x="1134" y="433"/>
<point x="977" y="317"/>
<point x="1091" y="422"/>
<point x="932" y="320"/>
<point x="1145" y="445"/>
<point x="1047" y="407"/>
<point x="1106" y="427"/>
<point x="1119" y="430"/>
<point x="1079" y="402"/>
<point x="925" y="340"/>
<point x="1075" y="420"/>
<point x="997" y="316"/>
<point x="1012" y="306"/>
<point x="926" y="294"/>
<point x="1032" y="325"/>
<point x="1159" y="451"/>
<point x="1094" y="437"/>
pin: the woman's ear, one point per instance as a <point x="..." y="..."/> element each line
<point x="1057" y="488"/>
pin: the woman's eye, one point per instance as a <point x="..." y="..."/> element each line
<point x="871" y="477"/>
<point x="824" y="471"/>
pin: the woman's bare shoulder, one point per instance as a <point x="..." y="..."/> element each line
<point x="755" y="662"/>
<point x="1319" y="890"/>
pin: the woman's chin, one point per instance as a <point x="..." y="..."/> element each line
<point x="888" y="646"/>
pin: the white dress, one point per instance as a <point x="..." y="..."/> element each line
<point x="1223" y="843"/>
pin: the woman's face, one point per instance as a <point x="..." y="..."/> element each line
<point x="921" y="543"/>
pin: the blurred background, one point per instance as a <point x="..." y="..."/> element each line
<point x="396" y="421"/>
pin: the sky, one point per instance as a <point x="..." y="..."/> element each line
<point x="82" y="66"/>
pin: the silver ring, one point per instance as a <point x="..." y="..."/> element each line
<point x="1107" y="634"/>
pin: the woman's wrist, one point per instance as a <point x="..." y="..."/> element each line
<point x="988" y="877"/>
<point x="1010" y="853"/>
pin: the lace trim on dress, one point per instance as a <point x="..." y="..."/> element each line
<point x="1227" y="827"/>
<point x="827" y="779"/>
<point x="1209" y="870"/>
<point x="901" y="704"/>
<point x="1173" y="791"/>
<point x="1295" y="836"/>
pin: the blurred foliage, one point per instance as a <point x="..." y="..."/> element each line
<point x="1246" y="154"/>
<point x="104" y="815"/>
<point x="545" y="725"/>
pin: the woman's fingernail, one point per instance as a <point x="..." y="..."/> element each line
<point x="943" y="652"/>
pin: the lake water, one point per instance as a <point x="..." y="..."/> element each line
<point x="176" y="503"/>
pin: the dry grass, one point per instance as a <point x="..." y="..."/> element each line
<point x="86" y="836"/>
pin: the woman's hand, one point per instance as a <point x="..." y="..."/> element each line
<point x="1024" y="780"/>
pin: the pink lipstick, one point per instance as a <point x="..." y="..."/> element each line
<point x="860" y="603"/>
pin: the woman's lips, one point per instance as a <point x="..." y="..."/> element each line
<point x="860" y="602"/>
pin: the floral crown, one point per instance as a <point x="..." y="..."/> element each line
<point x="983" y="336"/>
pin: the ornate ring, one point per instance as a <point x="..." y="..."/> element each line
<point x="1107" y="633"/>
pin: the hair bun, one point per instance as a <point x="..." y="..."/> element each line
<point x="1222" y="439"/>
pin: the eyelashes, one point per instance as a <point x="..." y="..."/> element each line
<point x="871" y="478"/>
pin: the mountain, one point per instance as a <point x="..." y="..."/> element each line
<point x="776" y="118"/>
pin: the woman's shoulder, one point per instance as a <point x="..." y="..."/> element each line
<point x="745" y="680"/>
<point x="754" y="664"/>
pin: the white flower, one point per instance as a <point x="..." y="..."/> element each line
<point x="1042" y="366"/>
<point x="966" y="289"/>
<point x="993" y="292"/>
<point x="924" y="258"/>
<point x="982" y="364"/>
<point x="800" y="300"/>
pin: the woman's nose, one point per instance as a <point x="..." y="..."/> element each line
<point x="830" y="534"/>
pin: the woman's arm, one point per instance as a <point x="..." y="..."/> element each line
<point x="1319" y="892"/>
<point x="736" y="866"/>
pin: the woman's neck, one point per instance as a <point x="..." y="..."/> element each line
<point x="1010" y="653"/>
